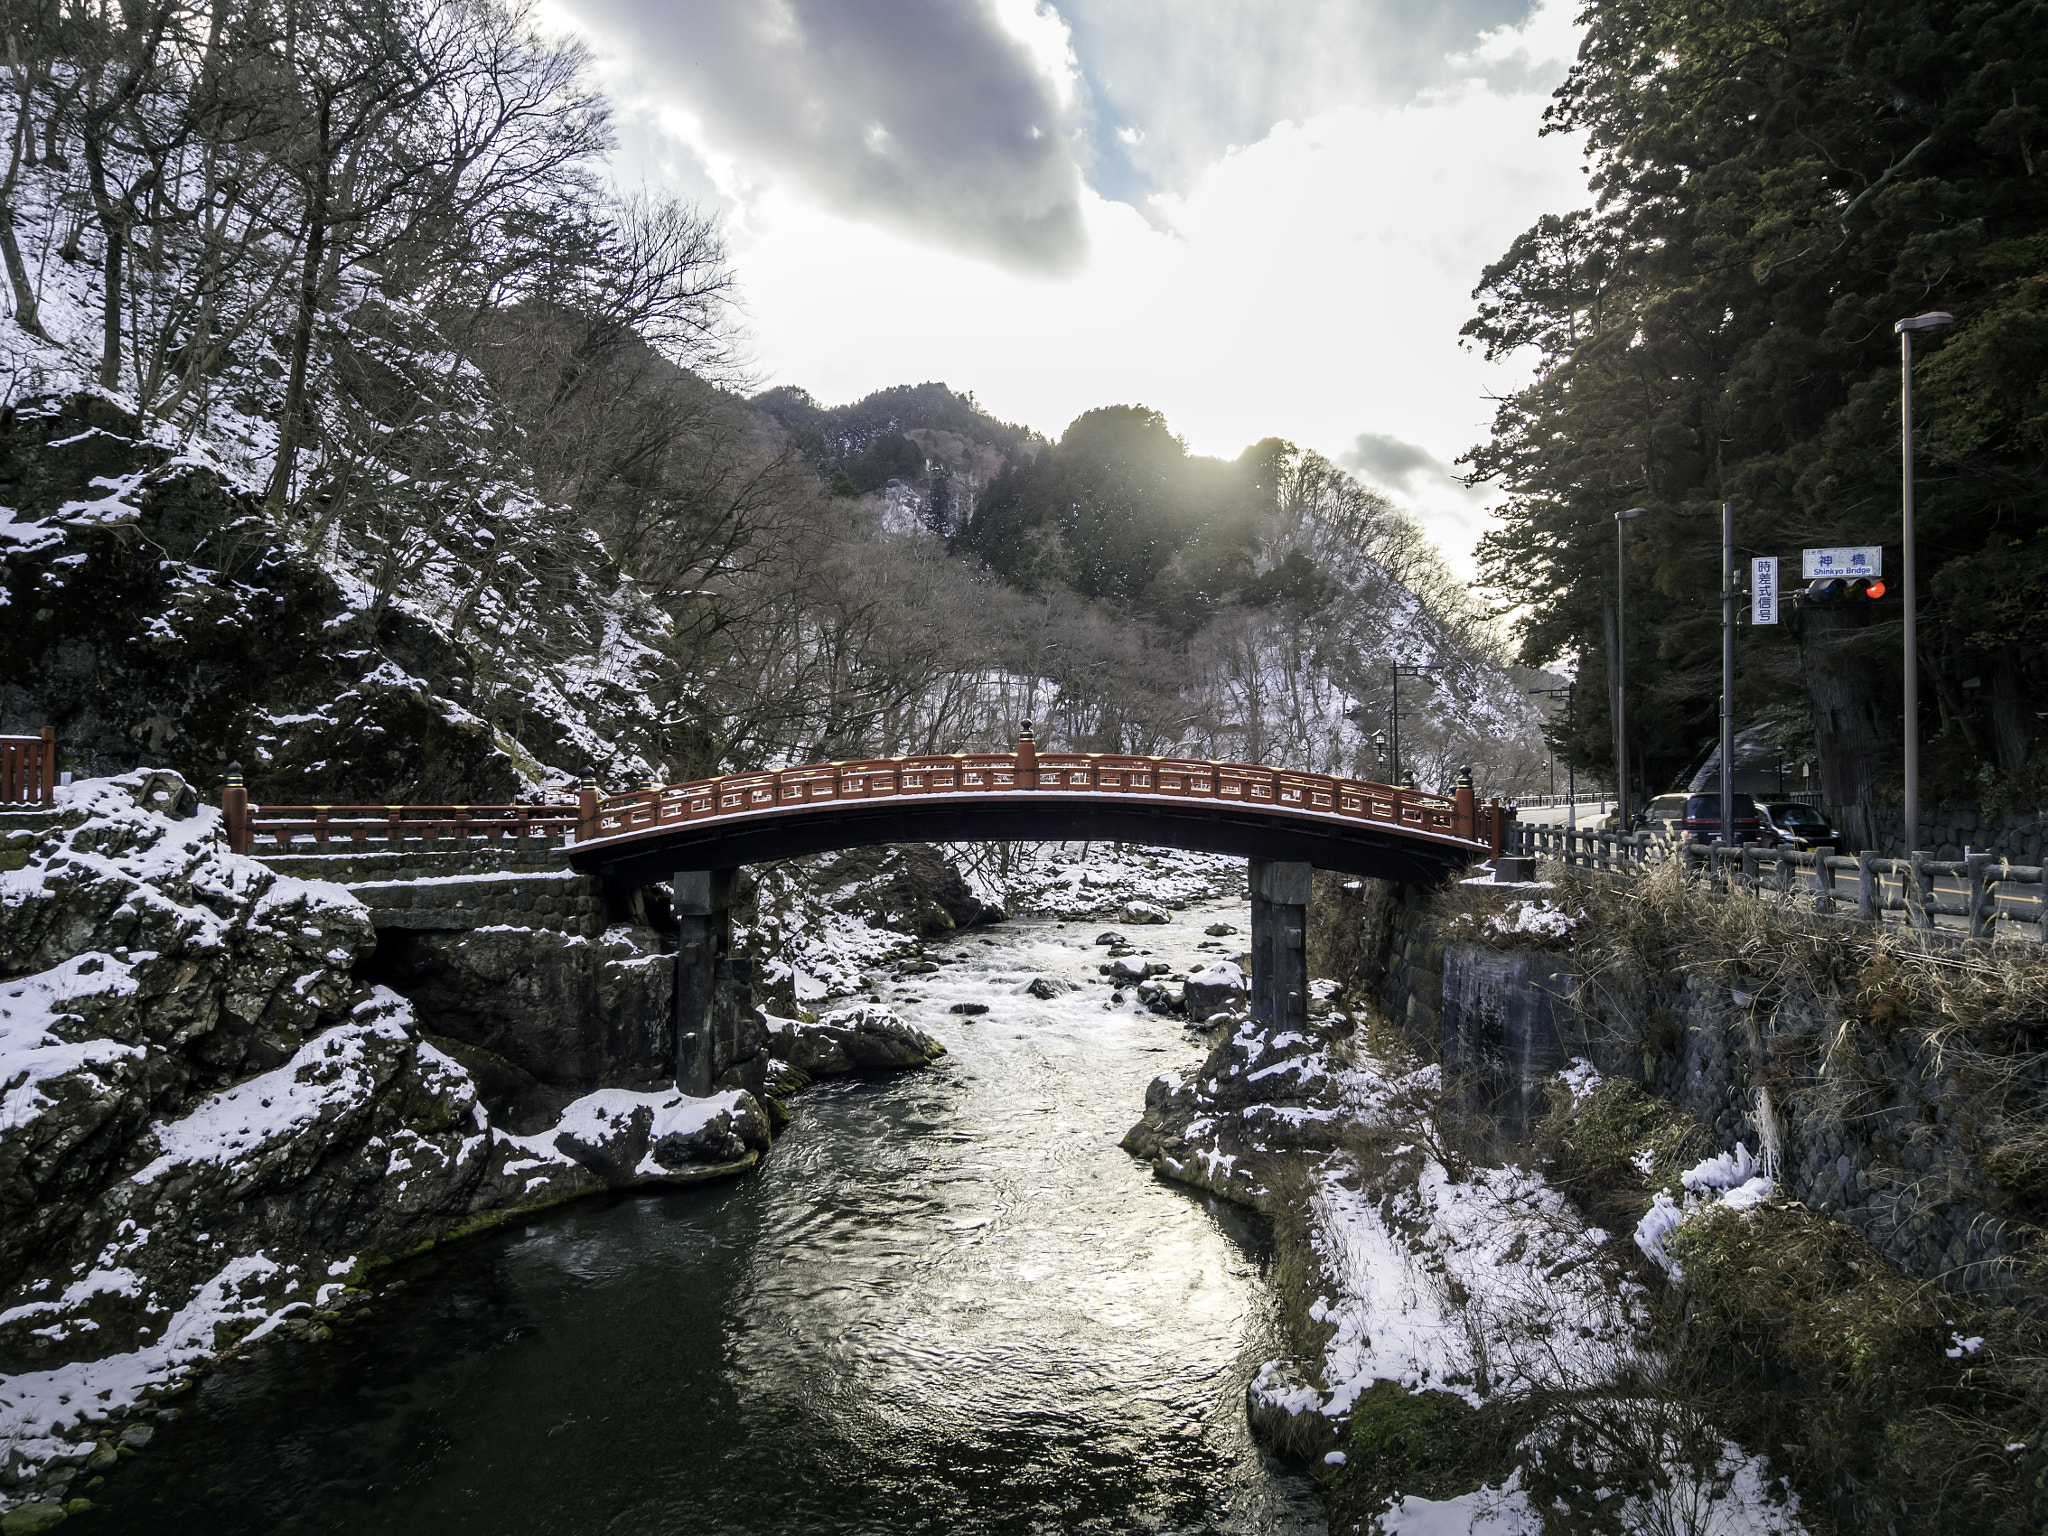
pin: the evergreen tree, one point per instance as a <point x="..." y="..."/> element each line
<point x="1777" y="182"/>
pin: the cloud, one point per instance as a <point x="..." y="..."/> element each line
<point x="1171" y="85"/>
<point x="1391" y="463"/>
<point x="932" y="117"/>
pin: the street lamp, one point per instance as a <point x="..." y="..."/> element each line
<point x="1379" y="747"/>
<point x="1621" y="522"/>
<point x="1571" y="776"/>
<point x="1933" y="320"/>
<point x="1412" y="669"/>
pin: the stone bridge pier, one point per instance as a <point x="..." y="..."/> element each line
<point x="1280" y="893"/>
<point x="707" y="1026"/>
<point x="708" y="1030"/>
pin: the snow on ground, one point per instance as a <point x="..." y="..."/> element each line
<point x="1486" y="1283"/>
<point x="328" y="1077"/>
<point x="1093" y="879"/>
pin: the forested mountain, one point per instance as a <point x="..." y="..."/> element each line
<point x="357" y="431"/>
<point x="1778" y="184"/>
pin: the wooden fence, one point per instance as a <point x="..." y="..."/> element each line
<point x="1981" y="895"/>
<point x="28" y="769"/>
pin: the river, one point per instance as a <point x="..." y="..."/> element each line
<point x="947" y="1302"/>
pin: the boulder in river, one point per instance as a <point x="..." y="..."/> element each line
<point x="861" y="1038"/>
<point x="1046" y="988"/>
<point x="1139" y="913"/>
<point x="1215" y="989"/>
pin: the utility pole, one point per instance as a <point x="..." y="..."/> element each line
<point x="1394" y="711"/>
<point x="1571" y="775"/>
<point x="1932" y="320"/>
<point x="1621" y="522"/>
<point x="1727" y="674"/>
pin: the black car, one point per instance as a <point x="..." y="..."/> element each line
<point x="1798" y="826"/>
<point x="1703" y="819"/>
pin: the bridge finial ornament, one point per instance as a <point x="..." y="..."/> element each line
<point x="1027" y="758"/>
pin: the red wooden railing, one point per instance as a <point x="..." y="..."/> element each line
<point x="597" y="817"/>
<point x="28" y="769"/>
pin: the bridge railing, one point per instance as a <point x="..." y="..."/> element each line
<point x="597" y="816"/>
<point x="28" y="769"/>
<point x="637" y="811"/>
<point x="390" y="828"/>
<point x="1981" y="894"/>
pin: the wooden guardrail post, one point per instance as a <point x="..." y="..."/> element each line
<point x="1981" y="919"/>
<point x="234" y="810"/>
<point x="586" y="808"/>
<point x="1823" y="880"/>
<point x="1027" y="758"/>
<point x="1866" y="885"/>
<point x="1919" y="890"/>
<point x="1497" y="826"/>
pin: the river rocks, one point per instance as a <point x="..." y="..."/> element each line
<point x="971" y="1010"/>
<point x="28" y="1519"/>
<point x="1220" y="930"/>
<point x="1215" y="989"/>
<point x="1261" y="1096"/>
<point x="1139" y="913"/>
<point x="1111" y="937"/>
<point x="1126" y="969"/>
<point x="627" y="1138"/>
<point x="1046" y="988"/>
<point x="861" y="1038"/>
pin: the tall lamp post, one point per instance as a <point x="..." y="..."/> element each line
<point x="1571" y="776"/>
<point x="1412" y="669"/>
<point x="1933" y="320"/>
<point x="1621" y="522"/>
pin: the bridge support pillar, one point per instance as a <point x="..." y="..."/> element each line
<point x="1280" y="892"/>
<point x="703" y="903"/>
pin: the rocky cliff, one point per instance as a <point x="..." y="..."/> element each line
<point x="210" y="1124"/>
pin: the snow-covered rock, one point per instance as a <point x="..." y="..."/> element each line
<point x="861" y="1038"/>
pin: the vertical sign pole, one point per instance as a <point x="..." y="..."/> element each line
<point x="1621" y="665"/>
<point x="1394" y="731"/>
<point x="1727" y="674"/>
<point x="1907" y="596"/>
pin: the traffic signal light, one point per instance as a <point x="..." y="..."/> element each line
<point x="1831" y="589"/>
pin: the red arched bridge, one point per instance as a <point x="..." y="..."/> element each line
<point x="697" y="834"/>
<point x="645" y="835"/>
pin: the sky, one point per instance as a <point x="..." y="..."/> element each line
<point x="1259" y="217"/>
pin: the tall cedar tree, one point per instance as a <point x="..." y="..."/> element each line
<point x="1777" y="182"/>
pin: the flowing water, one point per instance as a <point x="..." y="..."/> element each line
<point x="947" y="1302"/>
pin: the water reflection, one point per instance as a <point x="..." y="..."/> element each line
<point x="947" y="1303"/>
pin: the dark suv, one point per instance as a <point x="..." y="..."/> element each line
<point x="1798" y="826"/>
<point x="1703" y="819"/>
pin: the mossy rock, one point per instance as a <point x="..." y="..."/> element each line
<point x="1433" y="1444"/>
<point x="26" y="1519"/>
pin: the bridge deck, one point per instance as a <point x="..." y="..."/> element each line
<point x="1243" y="809"/>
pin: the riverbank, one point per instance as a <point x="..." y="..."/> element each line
<point x="946" y="1301"/>
<point x="1524" y="1297"/>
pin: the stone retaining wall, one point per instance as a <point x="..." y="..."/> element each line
<point x="462" y="891"/>
<point x="1874" y="1127"/>
<point x="1946" y="831"/>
